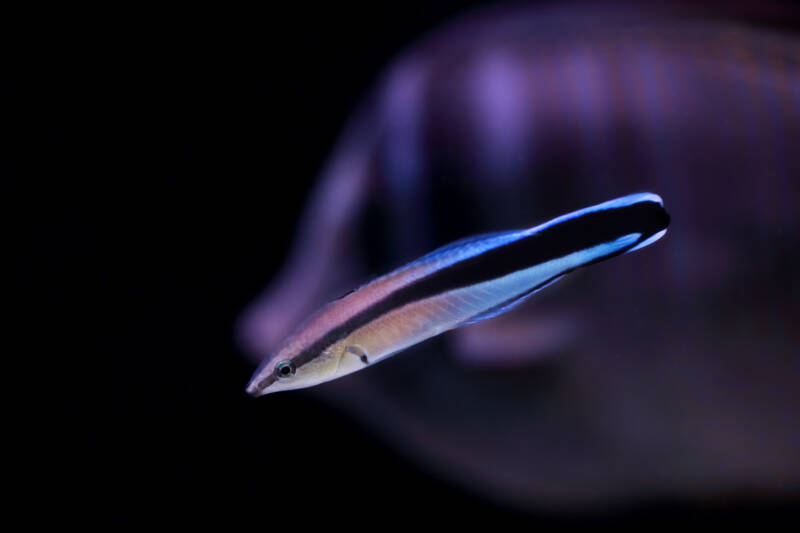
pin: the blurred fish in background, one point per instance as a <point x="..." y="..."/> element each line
<point x="670" y="373"/>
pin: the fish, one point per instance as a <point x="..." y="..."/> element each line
<point x="462" y="283"/>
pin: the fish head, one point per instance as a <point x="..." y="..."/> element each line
<point x="293" y="367"/>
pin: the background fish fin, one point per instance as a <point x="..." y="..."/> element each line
<point x="508" y="306"/>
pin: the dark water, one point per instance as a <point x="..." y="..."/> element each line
<point x="162" y="163"/>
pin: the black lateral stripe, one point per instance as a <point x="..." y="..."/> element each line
<point x="580" y="233"/>
<point x="266" y="382"/>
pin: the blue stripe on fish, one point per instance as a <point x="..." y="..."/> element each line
<point x="588" y="236"/>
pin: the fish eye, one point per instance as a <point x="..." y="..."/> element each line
<point x="285" y="369"/>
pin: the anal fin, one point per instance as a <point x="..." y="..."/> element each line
<point x="510" y="304"/>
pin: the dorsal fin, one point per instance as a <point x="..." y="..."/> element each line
<point x="488" y="238"/>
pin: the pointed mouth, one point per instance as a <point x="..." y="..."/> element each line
<point x="252" y="389"/>
<point x="258" y="385"/>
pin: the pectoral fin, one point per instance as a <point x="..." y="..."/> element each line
<point x="358" y="352"/>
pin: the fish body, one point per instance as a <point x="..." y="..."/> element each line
<point x="461" y="283"/>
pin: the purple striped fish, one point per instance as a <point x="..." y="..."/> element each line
<point x="461" y="283"/>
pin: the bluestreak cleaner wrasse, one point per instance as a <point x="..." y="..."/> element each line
<point x="461" y="283"/>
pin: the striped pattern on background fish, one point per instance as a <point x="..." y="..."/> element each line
<point x="527" y="108"/>
<point x="462" y="283"/>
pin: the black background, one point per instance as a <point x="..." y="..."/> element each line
<point x="161" y="160"/>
